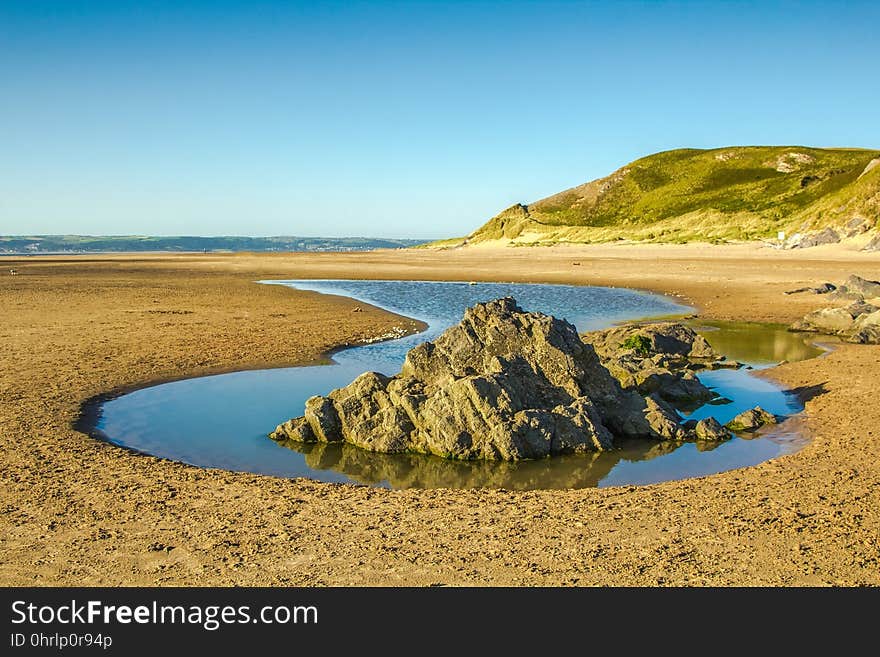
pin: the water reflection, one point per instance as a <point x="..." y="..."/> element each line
<point x="421" y="471"/>
<point x="632" y="462"/>
<point x="755" y="343"/>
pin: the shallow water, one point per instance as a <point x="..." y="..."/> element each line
<point x="221" y="421"/>
<point x="755" y="343"/>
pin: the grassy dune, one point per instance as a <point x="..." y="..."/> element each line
<point x="724" y="194"/>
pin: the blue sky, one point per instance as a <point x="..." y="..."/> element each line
<point x="395" y="119"/>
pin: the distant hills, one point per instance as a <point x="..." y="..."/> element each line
<point x="790" y="196"/>
<point x="109" y="244"/>
<point x="811" y="195"/>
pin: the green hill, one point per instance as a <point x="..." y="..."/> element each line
<point x="724" y="194"/>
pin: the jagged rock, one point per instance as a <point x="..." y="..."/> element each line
<point x="682" y="389"/>
<point x="366" y="415"/>
<point x="663" y="338"/>
<point x="825" y="320"/>
<point x="868" y="289"/>
<point x="323" y="420"/>
<point x="502" y="384"/>
<point x="843" y="294"/>
<point x="297" y="429"/>
<point x="664" y="420"/>
<point x="711" y="429"/>
<point x="866" y="329"/>
<point x="874" y="244"/>
<point x="860" y="308"/>
<point x="751" y="420"/>
<point x="505" y="384"/>
<point x="856" y="288"/>
<point x="657" y="359"/>
<point x="826" y="236"/>
<point x="857" y="322"/>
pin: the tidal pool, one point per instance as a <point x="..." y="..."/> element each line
<point x="221" y="421"/>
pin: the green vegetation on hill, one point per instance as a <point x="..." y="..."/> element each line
<point x="735" y="193"/>
<point x="107" y="244"/>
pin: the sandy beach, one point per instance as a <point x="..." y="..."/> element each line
<point x="78" y="511"/>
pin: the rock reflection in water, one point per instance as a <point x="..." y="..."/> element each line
<point x="423" y="471"/>
<point x="757" y="344"/>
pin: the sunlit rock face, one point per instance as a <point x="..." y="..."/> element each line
<point x="503" y="384"/>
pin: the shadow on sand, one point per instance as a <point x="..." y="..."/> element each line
<point x="806" y="393"/>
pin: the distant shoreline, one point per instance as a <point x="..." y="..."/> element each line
<point x="24" y="245"/>
<point x="26" y="254"/>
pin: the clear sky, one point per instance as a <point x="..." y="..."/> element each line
<point x="395" y="119"/>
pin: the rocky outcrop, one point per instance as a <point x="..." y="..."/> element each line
<point x="833" y="321"/>
<point x="658" y="359"/>
<point x="665" y="420"/>
<point x="710" y="429"/>
<point x="867" y="289"/>
<point x="805" y="241"/>
<point x="751" y="420"/>
<point x="666" y="338"/>
<point x="856" y="288"/>
<point x="866" y="329"/>
<point x="502" y="384"/>
<point x="858" y="322"/>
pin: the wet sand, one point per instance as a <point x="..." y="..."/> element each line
<point x="77" y="511"/>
